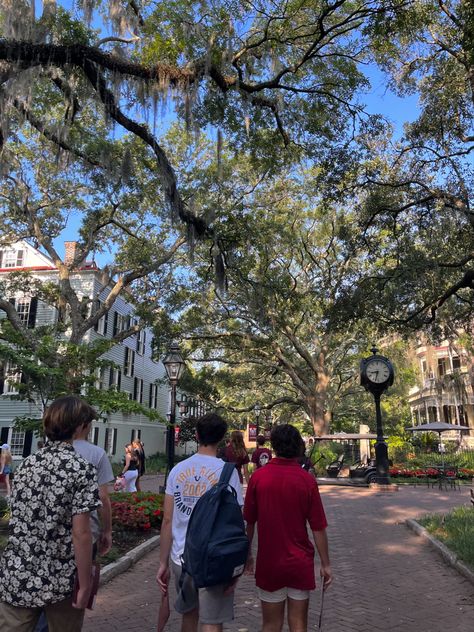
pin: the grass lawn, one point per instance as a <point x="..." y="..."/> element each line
<point x="455" y="530"/>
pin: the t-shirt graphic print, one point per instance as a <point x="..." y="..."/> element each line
<point x="186" y="483"/>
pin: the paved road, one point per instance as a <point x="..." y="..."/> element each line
<point x="386" y="577"/>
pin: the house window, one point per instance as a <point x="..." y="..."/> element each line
<point x="94" y="436"/>
<point x="101" y="325"/>
<point x="423" y="367"/>
<point x="129" y="364"/>
<point x="136" y="434"/>
<point x="115" y="378"/>
<point x="12" y="258"/>
<point x="456" y="363"/>
<point x="11" y="379"/>
<point x="153" y="396"/>
<point x="138" y="390"/>
<point x="17" y="442"/>
<point x="442" y="367"/>
<point x="26" y="309"/>
<point x="100" y="378"/>
<point x="141" y="336"/>
<point x="110" y="442"/>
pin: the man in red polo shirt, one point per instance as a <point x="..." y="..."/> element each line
<point x="283" y="499"/>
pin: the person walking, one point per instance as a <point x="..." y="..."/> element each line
<point x="187" y="482"/>
<point x="101" y="520"/>
<point x="235" y="452"/>
<point x="130" y="469"/>
<point x="139" y="448"/>
<point x="50" y="544"/>
<point x="261" y="455"/>
<point x="6" y="466"/>
<point x="282" y="499"/>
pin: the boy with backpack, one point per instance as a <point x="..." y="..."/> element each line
<point x="198" y="478"/>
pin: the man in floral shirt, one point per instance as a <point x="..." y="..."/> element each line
<point x="50" y="541"/>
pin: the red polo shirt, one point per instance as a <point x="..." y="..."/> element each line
<point x="283" y="499"/>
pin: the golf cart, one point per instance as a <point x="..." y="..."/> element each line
<point x="363" y="470"/>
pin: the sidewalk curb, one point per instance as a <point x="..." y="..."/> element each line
<point x="448" y="556"/>
<point x="129" y="559"/>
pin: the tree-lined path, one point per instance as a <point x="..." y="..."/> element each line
<point x="386" y="578"/>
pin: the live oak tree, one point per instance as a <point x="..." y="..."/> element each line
<point x="271" y="335"/>
<point x="279" y="77"/>
<point x="38" y="198"/>
<point x="419" y="188"/>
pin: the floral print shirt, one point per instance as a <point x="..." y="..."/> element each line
<point x="49" y="488"/>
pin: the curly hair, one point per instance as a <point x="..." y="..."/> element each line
<point x="287" y="442"/>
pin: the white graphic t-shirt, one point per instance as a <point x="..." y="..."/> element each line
<point x="187" y="482"/>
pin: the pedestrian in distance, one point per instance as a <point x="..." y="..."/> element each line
<point x="130" y="468"/>
<point x="235" y="452"/>
<point x="50" y="545"/>
<point x="187" y="482"/>
<point x="139" y="448"/>
<point x="282" y="499"/>
<point x="261" y="455"/>
<point x="6" y="466"/>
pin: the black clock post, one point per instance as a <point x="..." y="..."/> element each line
<point x="376" y="375"/>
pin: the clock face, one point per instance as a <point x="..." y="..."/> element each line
<point x="377" y="371"/>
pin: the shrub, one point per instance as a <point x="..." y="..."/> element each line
<point x="138" y="510"/>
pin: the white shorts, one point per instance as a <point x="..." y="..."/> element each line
<point x="280" y="595"/>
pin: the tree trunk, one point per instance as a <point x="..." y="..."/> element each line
<point x="317" y="408"/>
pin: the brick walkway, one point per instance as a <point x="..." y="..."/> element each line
<point x="386" y="577"/>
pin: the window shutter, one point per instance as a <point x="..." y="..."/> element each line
<point x="114" y="448"/>
<point x="115" y="330"/>
<point x="132" y="436"/>
<point x="4" y="435"/>
<point x="33" y="311"/>
<point x="1" y="258"/>
<point x="125" y="362"/>
<point x="133" y="362"/>
<point x="95" y="307"/>
<point x="2" y="385"/>
<point x="119" y="379"/>
<point x="111" y="376"/>
<point x="106" y="322"/>
<point x="149" y="395"/>
<point x="106" y="440"/>
<point x="135" y="388"/>
<point x="27" y="443"/>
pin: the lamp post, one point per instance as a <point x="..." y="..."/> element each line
<point x="174" y="366"/>
<point x="257" y="409"/>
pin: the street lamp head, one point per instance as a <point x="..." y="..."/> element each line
<point x="257" y="409"/>
<point x="174" y="363"/>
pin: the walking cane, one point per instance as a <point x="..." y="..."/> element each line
<point x="320" y="622"/>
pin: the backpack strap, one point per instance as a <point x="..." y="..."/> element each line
<point x="226" y="473"/>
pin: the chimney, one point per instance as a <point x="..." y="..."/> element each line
<point x="70" y="251"/>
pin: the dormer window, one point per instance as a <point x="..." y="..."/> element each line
<point x="11" y="258"/>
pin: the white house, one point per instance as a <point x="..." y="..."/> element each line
<point x="136" y="375"/>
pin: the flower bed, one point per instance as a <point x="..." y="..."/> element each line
<point x="463" y="473"/>
<point x="136" y="511"/>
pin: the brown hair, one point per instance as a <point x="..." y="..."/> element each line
<point x="65" y="415"/>
<point x="237" y="443"/>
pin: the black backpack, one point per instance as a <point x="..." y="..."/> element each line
<point x="216" y="546"/>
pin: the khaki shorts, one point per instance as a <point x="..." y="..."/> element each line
<point x="61" y="617"/>
<point x="214" y="607"/>
<point x="276" y="596"/>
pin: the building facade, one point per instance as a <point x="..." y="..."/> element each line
<point x="445" y="389"/>
<point x="135" y="372"/>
